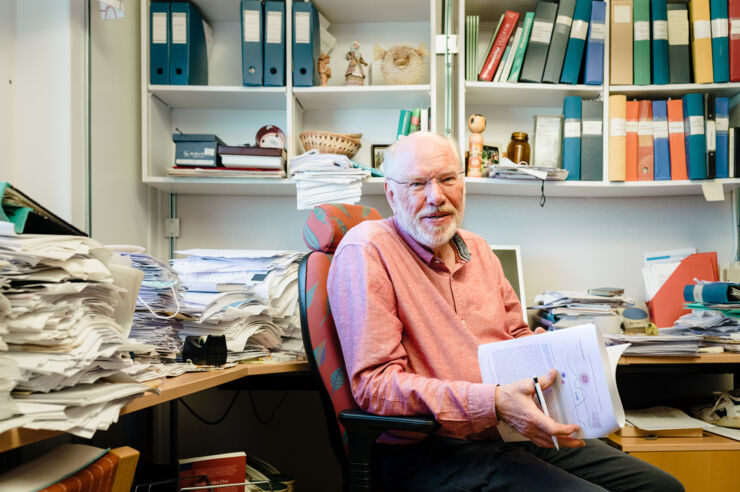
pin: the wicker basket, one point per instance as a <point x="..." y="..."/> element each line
<point x="331" y="143"/>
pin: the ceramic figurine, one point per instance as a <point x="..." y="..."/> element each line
<point x="477" y="124"/>
<point x="355" y="75"/>
<point x="324" y="68"/>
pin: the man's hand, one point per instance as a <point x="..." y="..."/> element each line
<point x="515" y="405"/>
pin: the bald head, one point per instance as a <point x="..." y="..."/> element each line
<point x="419" y="146"/>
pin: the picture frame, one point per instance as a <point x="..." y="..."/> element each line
<point x="491" y="155"/>
<point x="378" y="153"/>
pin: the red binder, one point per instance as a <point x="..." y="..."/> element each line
<point x="630" y="118"/>
<point x="645" y="162"/>
<point x="733" y="8"/>
<point x="666" y="306"/>
<point x="499" y="45"/>
<point x="676" y="140"/>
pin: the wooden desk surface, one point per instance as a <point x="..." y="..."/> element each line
<point x="171" y="389"/>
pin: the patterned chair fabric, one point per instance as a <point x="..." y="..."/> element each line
<point x="328" y="223"/>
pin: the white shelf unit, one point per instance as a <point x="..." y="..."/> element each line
<point x="234" y="112"/>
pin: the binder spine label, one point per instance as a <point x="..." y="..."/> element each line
<point x="274" y="27"/>
<point x="579" y="29"/>
<point x="159" y="27"/>
<point x="302" y="27"/>
<point x="591" y="127"/>
<point x="660" y="129"/>
<point x="696" y="125"/>
<point x="711" y="134"/>
<point x="702" y="29"/>
<point x="251" y="26"/>
<point x="723" y="124"/>
<point x="642" y="31"/>
<point x="719" y="28"/>
<point x="645" y="127"/>
<point x="598" y="31"/>
<point x="630" y="126"/>
<point x="735" y="27"/>
<point x="675" y="127"/>
<point x="622" y="14"/>
<point x="678" y="32"/>
<point x="572" y="128"/>
<point x="660" y="29"/>
<point x="616" y="127"/>
<point x="179" y="28"/>
<point x="563" y="21"/>
<point x="541" y="32"/>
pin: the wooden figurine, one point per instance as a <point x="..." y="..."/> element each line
<point x="324" y="68"/>
<point x="476" y="124"/>
<point x="355" y="75"/>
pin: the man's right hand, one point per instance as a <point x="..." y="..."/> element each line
<point x="515" y="405"/>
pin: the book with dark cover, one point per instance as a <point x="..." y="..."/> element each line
<point x="539" y="42"/>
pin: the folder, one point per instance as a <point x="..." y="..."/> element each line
<point x="710" y="134"/>
<point x="621" y="42"/>
<point x="733" y="7"/>
<point x="641" y="42"/>
<point x="30" y="217"/>
<point x="159" y="43"/>
<point x="661" y="150"/>
<point x="679" y="53"/>
<point x="252" y="55"/>
<point x="631" y="114"/>
<point x="617" y="107"/>
<point x="645" y="141"/>
<point x="666" y="306"/>
<point x="539" y="42"/>
<point x="499" y="46"/>
<point x="516" y="68"/>
<point x="592" y="147"/>
<point x="560" y="34"/>
<point x="720" y="41"/>
<point x="659" y="15"/>
<point x="576" y="42"/>
<point x="721" y="113"/>
<point x="693" y="128"/>
<point x="188" y="54"/>
<point x="701" y="41"/>
<point x="305" y="44"/>
<point x="572" y="137"/>
<point x="274" y="45"/>
<point x="712" y="293"/>
<point x="593" y="72"/>
<point x="676" y="143"/>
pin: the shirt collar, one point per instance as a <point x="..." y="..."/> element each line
<point x="425" y="253"/>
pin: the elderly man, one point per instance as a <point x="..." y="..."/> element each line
<point x="412" y="297"/>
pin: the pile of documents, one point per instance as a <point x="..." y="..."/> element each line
<point x="510" y="170"/>
<point x="66" y="308"/>
<point x="661" y="344"/>
<point x="717" y="328"/>
<point x="564" y="309"/>
<point x="325" y="178"/>
<point x="250" y="296"/>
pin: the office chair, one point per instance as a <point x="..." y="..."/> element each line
<point x="113" y="472"/>
<point x="352" y="432"/>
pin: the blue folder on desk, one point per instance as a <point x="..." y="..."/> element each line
<point x="593" y="72"/>
<point x="720" y="41"/>
<point x="159" y="43"/>
<point x="188" y="55"/>
<point x="576" y="42"/>
<point x="305" y="44"/>
<point x="252" y="29"/>
<point x="659" y="41"/>
<point x="661" y="149"/>
<point x="274" y="43"/>
<point x="572" y="137"/>
<point x="696" y="145"/>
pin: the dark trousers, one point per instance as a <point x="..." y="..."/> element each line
<point x="442" y="464"/>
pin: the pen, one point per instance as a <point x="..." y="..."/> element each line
<point x="543" y="405"/>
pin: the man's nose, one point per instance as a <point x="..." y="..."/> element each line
<point x="435" y="193"/>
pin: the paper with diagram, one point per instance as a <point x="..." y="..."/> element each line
<point x="585" y="393"/>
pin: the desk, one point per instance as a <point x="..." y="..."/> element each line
<point x="171" y="389"/>
<point x="701" y="463"/>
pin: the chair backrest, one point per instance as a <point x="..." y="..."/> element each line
<point x="113" y="472"/>
<point x="324" y="229"/>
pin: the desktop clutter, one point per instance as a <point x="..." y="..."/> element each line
<point x="690" y="312"/>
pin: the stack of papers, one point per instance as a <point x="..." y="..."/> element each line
<point x="325" y="178"/>
<point x="657" y="267"/>
<point x="66" y="309"/>
<point x="662" y="344"/>
<point x="250" y="296"/>
<point x="565" y="309"/>
<point x="525" y="171"/>
<point x="716" y="327"/>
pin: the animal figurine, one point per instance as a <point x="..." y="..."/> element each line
<point x="477" y="124"/>
<point x="324" y="68"/>
<point x="401" y="64"/>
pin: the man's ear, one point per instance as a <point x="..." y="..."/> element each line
<point x="390" y="196"/>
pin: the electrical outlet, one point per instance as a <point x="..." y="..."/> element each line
<point x="172" y="227"/>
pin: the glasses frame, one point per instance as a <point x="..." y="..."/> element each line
<point x="428" y="181"/>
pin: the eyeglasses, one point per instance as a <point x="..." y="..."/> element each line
<point x="448" y="180"/>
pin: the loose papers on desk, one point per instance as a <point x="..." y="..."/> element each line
<point x="661" y="344"/>
<point x="325" y="178"/>
<point x="250" y="296"/>
<point x="564" y="309"/>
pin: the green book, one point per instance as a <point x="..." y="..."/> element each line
<point x="473" y="47"/>
<point x="522" y="47"/>
<point x="404" y="124"/>
<point x="415" y="120"/>
<point x="641" y="42"/>
<point x="490" y="45"/>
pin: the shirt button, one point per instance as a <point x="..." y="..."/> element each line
<point x="463" y="321"/>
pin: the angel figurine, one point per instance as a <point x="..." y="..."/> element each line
<point x="324" y="68"/>
<point x="355" y="75"/>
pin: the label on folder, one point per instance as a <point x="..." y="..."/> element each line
<point x="303" y="27"/>
<point x="274" y="27"/>
<point x="159" y="27"/>
<point x="251" y="26"/>
<point x="179" y="27"/>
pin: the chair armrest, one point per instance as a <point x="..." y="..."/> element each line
<point x="417" y="423"/>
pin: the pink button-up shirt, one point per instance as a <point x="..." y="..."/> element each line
<point x="410" y="327"/>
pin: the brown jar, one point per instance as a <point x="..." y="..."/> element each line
<point x="518" y="149"/>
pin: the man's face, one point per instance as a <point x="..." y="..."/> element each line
<point x="429" y="203"/>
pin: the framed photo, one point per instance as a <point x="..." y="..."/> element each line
<point x="378" y="154"/>
<point x="491" y="155"/>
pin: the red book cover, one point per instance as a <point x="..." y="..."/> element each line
<point x="630" y="131"/>
<point x="676" y="141"/>
<point x="645" y="141"/>
<point x="499" y="45"/>
<point x="733" y="8"/>
<point x="217" y="469"/>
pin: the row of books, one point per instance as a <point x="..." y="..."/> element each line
<point x="557" y="43"/>
<point x="686" y="138"/>
<point x="410" y="121"/>
<point x="669" y="38"/>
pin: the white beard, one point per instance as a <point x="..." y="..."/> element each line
<point x="430" y="236"/>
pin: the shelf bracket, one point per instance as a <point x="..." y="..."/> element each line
<point x="439" y="47"/>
